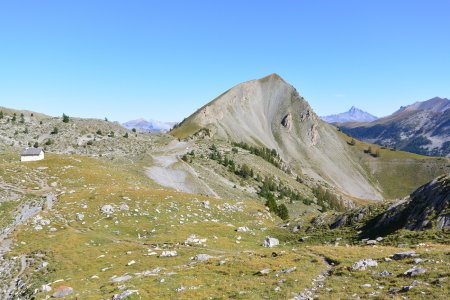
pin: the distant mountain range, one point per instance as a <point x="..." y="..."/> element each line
<point x="422" y="127"/>
<point x="353" y="115"/>
<point x="149" y="126"/>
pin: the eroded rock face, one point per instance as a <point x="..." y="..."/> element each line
<point x="427" y="206"/>
<point x="287" y="121"/>
<point x="428" y="203"/>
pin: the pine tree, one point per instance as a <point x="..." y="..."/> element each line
<point x="14" y="117"/>
<point x="1" y="114"/>
<point x="22" y="118"/>
<point x="283" y="212"/>
<point x="271" y="203"/>
<point x="126" y="135"/>
<point x="65" y="118"/>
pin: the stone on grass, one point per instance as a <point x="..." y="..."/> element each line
<point x="264" y="272"/>
<point x="123" y="278"/>
<point x="131" y="262"/>
<point x="384" y="273"/>
<point x="202" y="257"/>
<point x="414" y="271"/>
<point x="107" y="209"/>
<point x="123" y="206"/>
<point x="403" y="255"/>
<point x="243" y="229"/>
<point x="62" y="291"/>
<point x="168" y="254"/>
<point x="194" y="240"/>
<point x="80" y="216"/>
<point x="124" y="294"/>
<point x="290" y="270"/>
<point x="206" y="204"/>
<point x="364" y="264"/>
<point x="46" y="288"/>
<point x="271" y="242"/>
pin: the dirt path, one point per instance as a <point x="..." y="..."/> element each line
<point x="318" y="283"/>
<point x="169" y="171"/>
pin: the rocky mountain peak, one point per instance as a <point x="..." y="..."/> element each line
<point x="354" y="114"/>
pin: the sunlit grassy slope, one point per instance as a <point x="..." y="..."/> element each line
<point x="398" y="173"/>
<point x="88" y="254"/>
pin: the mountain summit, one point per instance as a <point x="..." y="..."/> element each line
<point x="435" y="104"/>
<point x="270" y="112"/>
<point x="352" y="115"/>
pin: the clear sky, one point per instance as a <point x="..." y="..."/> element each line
<point x="165" y="59"/>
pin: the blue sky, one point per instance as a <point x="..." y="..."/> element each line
<point x="164" y="59"/>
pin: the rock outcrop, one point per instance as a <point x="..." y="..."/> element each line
<point x="427" y="208"/>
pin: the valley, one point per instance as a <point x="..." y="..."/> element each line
<point x="251" y="197"/>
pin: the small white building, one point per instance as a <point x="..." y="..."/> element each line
<point x="32" y="154"/>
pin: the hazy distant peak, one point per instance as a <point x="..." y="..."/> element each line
<point x="354" y="114"/>
<point x="142" y="124"/>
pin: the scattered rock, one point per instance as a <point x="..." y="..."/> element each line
<point x="304" y="238"/>
<point x="62" y="291"/>
<point x="125" y="294"/>
<point x="80" y="216"/>
<point x="108" y="209"/>
<point x="123" y="206"/>
<point x="193" y="240"/>
<point x="414" y="271"/>
<point x="271" y="242"/>
<point x="42" y="265"/>
<point x="130" y="263"/>
<point x="45" y="288"/>
<point x="384" y="273"/>
<point x="168" y="254"/>
<point x="296" y="229"/>
<point x="123" y="278"/>
<point x="418" y="260"/>
<point x="290" y="270"/>
<point x="263" y="272"/>
<point x="180" y="289"/>
<point x="364" y="264"/>
<point x="206" y="204"/>
<point x="202" y="257"/>
<point x="367" y="285"/>
<point x="403" y="255"/>
<point x="153" y="272"/>
<point x="243" y="229"/>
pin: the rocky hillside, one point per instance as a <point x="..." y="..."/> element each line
<point x="270" y="112"/>
<point x="423" y="128"/>
<point x="352" y="115"/>
<point x="427" y="208"/>
<point x="81" y="136"/>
